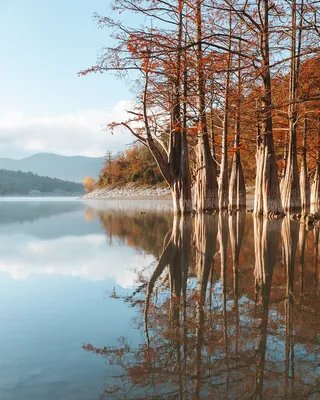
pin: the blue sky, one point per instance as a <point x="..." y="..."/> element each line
<point x="44" y="105"/>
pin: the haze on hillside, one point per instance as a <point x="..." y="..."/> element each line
<point x="17" y="183"/>
<point x="74" y="168"/>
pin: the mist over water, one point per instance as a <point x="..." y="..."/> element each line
<point x="120" y="299"/>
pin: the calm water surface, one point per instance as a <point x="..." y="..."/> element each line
<point x="119" y="300"/>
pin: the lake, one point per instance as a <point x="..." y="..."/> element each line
<point x="117" y="299"/>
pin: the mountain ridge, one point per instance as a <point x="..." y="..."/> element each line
<point x="70" y="168"/>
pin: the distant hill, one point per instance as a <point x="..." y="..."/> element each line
<point x="17" y="183"/>
<point x="74" y="168"/>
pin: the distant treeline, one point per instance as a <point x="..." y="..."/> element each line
<point x="19" y="183"/>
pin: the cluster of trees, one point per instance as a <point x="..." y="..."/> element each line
<point x="133" y="165"/>
<point x="228" y="311"/>
<point x="26" y="183"/>
<point x="214" y="78"/>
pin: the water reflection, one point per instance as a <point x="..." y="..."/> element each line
<point x="224" y="312"/>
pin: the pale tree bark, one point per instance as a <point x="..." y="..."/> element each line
<point x="180" y="170"/>
<point x="315" y="188"/>
<point x="206" y="172"/>
<point x="304" y="176"/>
<point x="267" y="192"/>
<point x="237" y="188"/>
<point x="291" y="196"/>
<point x="266" y="238"/>
<point x="212" y="128"/>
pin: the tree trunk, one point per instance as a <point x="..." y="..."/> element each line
<point x="206" y="174"/>
<point x="181" y="188"/>
<point x="304" y="177"/>
<point x="291" y="197"/>
<point x="267" y="191"/>
<point x="284" y="160"/>
<point x="176" y="169"/>
<point x="237" y="188"/>
<point x="181" y="196"/>
<point x="212" y="128"/>
<point x="223" y="179"/>
<point x="315" y="189"/>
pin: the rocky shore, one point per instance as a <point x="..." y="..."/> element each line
<point x="129" y="191"/>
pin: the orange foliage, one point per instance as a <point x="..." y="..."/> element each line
<point x="88" y="184"/>
<point x="133" y="165"/>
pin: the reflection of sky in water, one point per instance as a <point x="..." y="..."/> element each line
<point x="58" y="267"/>
<point x="89" y="257"/>
<point x="56" y="275"/>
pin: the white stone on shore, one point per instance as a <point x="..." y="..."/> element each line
<point x="127" y="191"/>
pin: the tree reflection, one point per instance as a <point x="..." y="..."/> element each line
<point x="266" y="234"/>
<point x="289" y="233"/>
<point x="210" y="331"/>
<point x="205" y="240"/>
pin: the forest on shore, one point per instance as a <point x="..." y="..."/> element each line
<point x="227" y="93"/>
<point x="17" y="183"/>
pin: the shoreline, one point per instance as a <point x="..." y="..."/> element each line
<point x="128" y="191"/>
<point x="133" y="192"/>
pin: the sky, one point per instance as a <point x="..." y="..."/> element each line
<point x="44" y="105"/>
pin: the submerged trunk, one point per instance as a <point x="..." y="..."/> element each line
<point x="267" y="192"/>
<point x="206" y="175"/>
<point x="304" y="177"/>
<point x="291" y="197"/>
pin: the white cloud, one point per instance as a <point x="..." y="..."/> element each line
<point x="23" y="256"/>
<point x="79" y="133"/>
